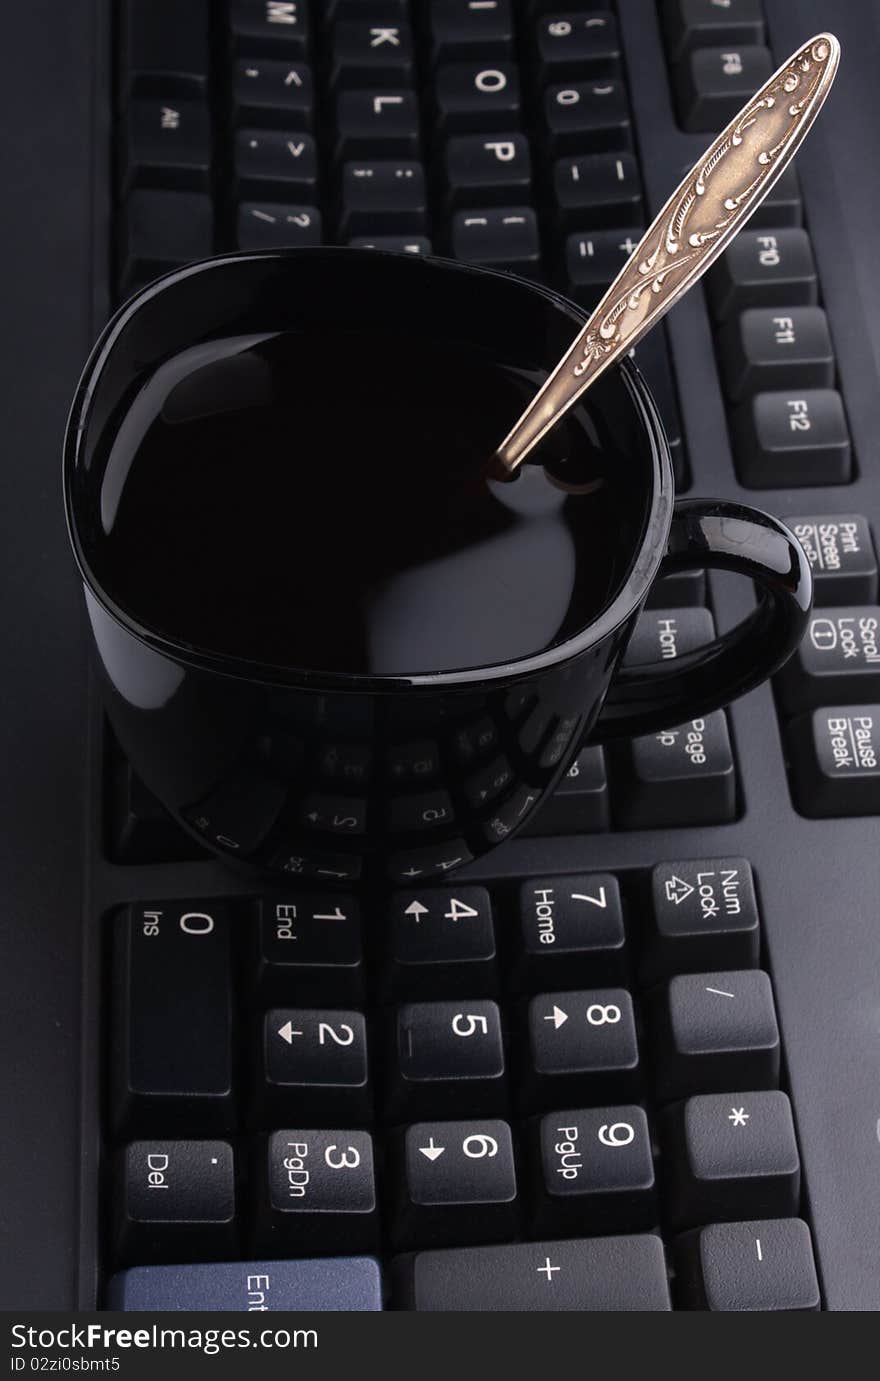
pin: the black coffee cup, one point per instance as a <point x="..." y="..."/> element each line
<point x="334" y="776"/>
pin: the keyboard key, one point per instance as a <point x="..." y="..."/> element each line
<point x="433" y="861"/>
<point x="392" y="11"/>
<point x="690" y="24"/>
<point x="712" y="84"/>
<point x="599" y="189"/>
<point x="278" y="28"/>
<point x="475" y="739"/>
<point x="679" y="591"/>
<point x="318" y="866"/>
<point x="488" y="783"/>
<point x="500" y="239"/>
<point x="838" y="660"/>
<point x="471" y="97"/>
<point x="458" y="1184"/>
<point x="410" y="764"/>
<point x="587" y="117"/>
<point x="507" y="815"/>
<point x="159" y="231"/>
<point x="680" y="776"/>
<point x="834" y="761"/>
<point x="705" y="918"/>
<point x="316" y="1192"/>
<point x="776" y="348"/>
<point x="347" y="1283"/>
<point x="663" y="634"/>
<point x="141" y="830"/>
<point x="346" y="763"/>
<point x="339" y="815"/>
<point x="172" y="1058"/>
<point x="782" y="205"/>
<point x="273" y="93"/>
<point x="763" y="268"/>
<point x="367" y="54"/>
<point x="597" y="1171"/>
<point x="175" y="1199"/>
<point x="273" y="225"/>
<point x="481" y="170"/>
<point x="279" y="162"/>
<point x="396" y="244"/>
<point x="308" y="945"/>
<point x="594" y="1275"/>
<point x="461" y="29"/>
<point x="786" y="439"/>
<point x="593" y="259"/>
<point x="714" y="1028"/>
<point x="442" y="943"/>
<point x="759" y="1267"/>
<point x="377" y="124"/>
<point x="579" y="804"/>
<point x="163" y="48"/>
<point x="240" y="812"/>
<point x="729" y="1156"/>
<point x="425" y="810"/>
<point x="574" y="45"/>
<point x="448" y="1058"/>
<point x="384" y="195"/>
<point x="166" y="143"/>
<point x="572" y="929"/>
<point x="314" y="1064"/>
<point x="841" y="555"/>
<point x="581" y="1047"/>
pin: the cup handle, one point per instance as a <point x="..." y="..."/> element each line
<point x="727" y="537"/>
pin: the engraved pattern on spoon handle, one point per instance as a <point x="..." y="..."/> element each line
<point x="701" y="217"/>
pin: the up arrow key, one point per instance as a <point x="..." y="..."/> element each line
<point x="416" y="910"/>
<point x="431" y="1152"/>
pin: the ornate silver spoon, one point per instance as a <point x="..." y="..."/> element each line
<point x="698" y="221"/>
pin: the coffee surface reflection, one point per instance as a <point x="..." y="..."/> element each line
<point x="318" y="502"/>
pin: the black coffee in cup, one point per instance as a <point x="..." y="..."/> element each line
<point x="319" y="501"/>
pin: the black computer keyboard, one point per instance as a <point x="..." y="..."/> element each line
<point x="557" y="1082"/>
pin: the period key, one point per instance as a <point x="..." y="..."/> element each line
<point x="172" y="1057"/>
<point x="175" y="1199"/>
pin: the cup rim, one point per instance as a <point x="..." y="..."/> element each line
<point x="630" y="593"/>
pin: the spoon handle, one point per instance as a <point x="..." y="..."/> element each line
<point x="701" y="217"/>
